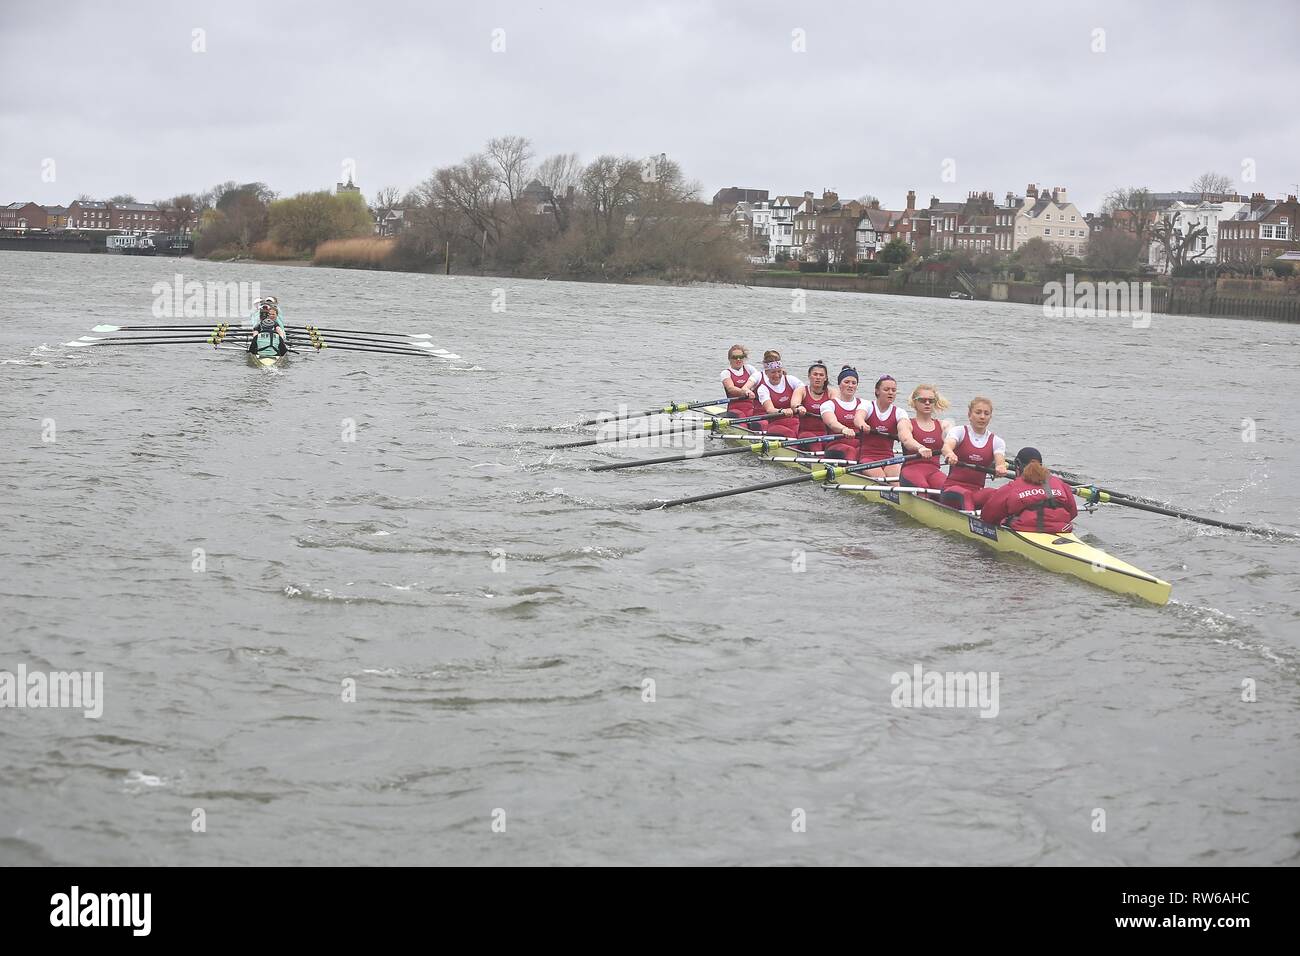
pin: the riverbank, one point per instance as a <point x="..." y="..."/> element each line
<point x="1222" y="298"/>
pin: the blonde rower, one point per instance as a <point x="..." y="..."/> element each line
<point x="923" y="435"/>
<point x="969" y="449"/>
<point x="740" y="382"/>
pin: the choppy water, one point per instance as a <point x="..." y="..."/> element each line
<point x="499" y="607"/>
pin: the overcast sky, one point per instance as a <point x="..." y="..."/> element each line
<point x="115" y="95"/>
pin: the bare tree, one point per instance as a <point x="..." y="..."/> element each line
<point x="510" y="156"/>
<point x="386" y="200"/>
<point x="610" y="187"/>
<point x="1177" y="242"/>
<point x="1215" y="184"/>
<point x="561" y="174"/>
<point x="470" y="188"/>
<point x="870" y="201"/>
<point x="1132" y="208"/>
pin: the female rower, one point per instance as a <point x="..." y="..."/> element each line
<point x="923" y="435"/>
<point x="1035" y="501"/>
<point x="879" y="426"/>
<point x="969" y="449"/>
<point x="808" y="401"/>
<point x="740" y="381"/>
<point x="838" y="415"/>
<point x="775" y="394"/>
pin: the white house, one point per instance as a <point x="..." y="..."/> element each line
<point x="1189" y="216"/>
<point x="781" y="226"/>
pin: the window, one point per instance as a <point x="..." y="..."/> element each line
<point x="1266" y="231"/>
<point x="1048" y="231"/>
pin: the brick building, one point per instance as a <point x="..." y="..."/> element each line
<point x="1260" y="231"/>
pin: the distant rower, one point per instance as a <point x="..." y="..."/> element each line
<point x="923" y="435"/>
<point x="879" y="425"/>
<point x="775" y="395"/>
<point x="740" y="382"/>
<point x="808" y="401"/>
<point x="839" y="413"/>
<point x="1036" y="500"/>
<point x="969" y="449"/>
<point x="268" y="339"/>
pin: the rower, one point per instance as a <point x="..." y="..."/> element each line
<point x="879" y="425"/>
<point x="838" y="414"/>
<point x="740" y="381"/>
<point x="1036" y="500"/>
<point x="970" y="449"/>
<point x="775" y="395"/>
<point x="268" y="338"/>
<point x="808" y="400"/>
<point x="923" y="435"/>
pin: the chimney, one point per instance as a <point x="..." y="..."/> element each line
<point x="1011" y="199"/>
<point x="807" y="194"/>
<point x="911" y="200"/>
<point x="1291" y="200"/>
<point x="934" y="201"/>
<point x="1031" y="192"/>
<point x="1256" y="199"/>
<point x="1058" y="194"/>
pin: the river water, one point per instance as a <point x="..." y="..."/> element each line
<point x="203" y="535"/>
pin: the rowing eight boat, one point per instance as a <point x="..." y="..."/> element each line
<point x="1063" y="553"/>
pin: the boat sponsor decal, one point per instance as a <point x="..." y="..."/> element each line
<point x="890" y="495"/>
<point x="983" y="529"/>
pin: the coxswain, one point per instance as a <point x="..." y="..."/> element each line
<point x="923" y="435"/>
<point x="740" y="382"/>
<point x="808" y="401"/>
<point x="1036" y="500"/>
<point x="878" y="423"/>
<point x="839" y="413"/>
<point x="268" y="339"/>
<point x="775" y="397"/>
<point x="969" y="450"/>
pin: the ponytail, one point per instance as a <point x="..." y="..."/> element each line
<point x="1035" y="473"/>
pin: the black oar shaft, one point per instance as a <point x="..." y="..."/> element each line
<point x="700" y="426"/>
<point x="773" y="444"/>
<point x="818" y="473"/>
<point x="669" y="409"/>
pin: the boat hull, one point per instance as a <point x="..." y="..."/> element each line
<point x="1062" y="553"/>
<point x="271" y="362"/>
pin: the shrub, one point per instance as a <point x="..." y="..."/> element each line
<point x="361" y="253"/>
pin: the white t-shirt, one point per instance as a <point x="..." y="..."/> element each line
<point x="828" y="410"/>
<point x="752" y="381"/>
<point x="979" y="441"/>
<point x="767" y="388"/>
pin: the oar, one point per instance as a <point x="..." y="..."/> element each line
<point x="1092" y="494"/>
<point x="712" y="425"/>
<point x="421" y="353"/>
<point x="161" y="328"/>
<point x="767" y="444"/>
<point x="144" y="341"/>
<point x="396" y="335"/>
<point x="818" y="473"/>
<point x="668" y="409"/>
<point x="425" y="348"/>
<point x="367" y="338"/>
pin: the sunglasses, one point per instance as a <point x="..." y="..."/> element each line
<point x="736" y="358"/>
<point x="928" y="400"/>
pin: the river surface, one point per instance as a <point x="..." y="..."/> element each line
<point x="204" y="535"/>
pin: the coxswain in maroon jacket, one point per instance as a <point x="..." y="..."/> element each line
<point x="1036" y="500"/>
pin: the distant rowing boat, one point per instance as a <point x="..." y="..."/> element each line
<point x="1063" y="553"/>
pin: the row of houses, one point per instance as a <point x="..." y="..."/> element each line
<point x="807" y="227"/>
<point x="93" y="216"/>
<point x="1213" y="228"/>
